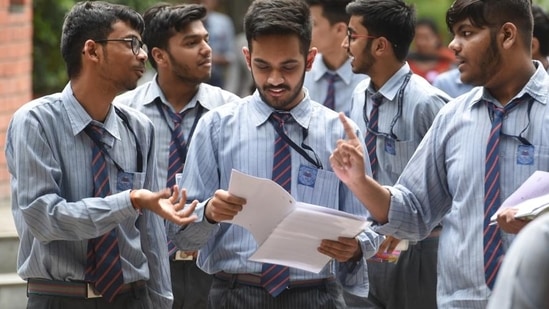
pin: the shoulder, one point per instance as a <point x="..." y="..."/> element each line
<point x="136" y="97"/>
<point x="213" y="96"/>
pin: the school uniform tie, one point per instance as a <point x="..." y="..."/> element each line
<point x="493" y="251"/>
<point x="371" y="138"/>
<point x="178" y="147"/>
<point x="103" y="259"/>
<point x="275" y="278"/>
<point x="330" y="95"/>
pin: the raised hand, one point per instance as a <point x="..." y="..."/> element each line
<point x="347" y="159"/>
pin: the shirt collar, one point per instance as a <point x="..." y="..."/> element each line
<point x="80" y="119"/>
<point x="153" y="92"/>
<point x="390" y="89"/>
<point x="261" y="110"/>
<point x="345" y="72"/>
<point x="536" y="88"/>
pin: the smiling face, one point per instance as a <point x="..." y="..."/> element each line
<point x="278" y="69"/>
<point x="359" y="46"/>
<point x="477" y="53"/>
<point x="188" y="56"/>
<point x="121" y="67"/>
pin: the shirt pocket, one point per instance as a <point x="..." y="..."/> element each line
<point x="394" y="164"/>
<point x="325" y="191"/>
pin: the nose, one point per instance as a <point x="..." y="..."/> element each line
<point x="206" y="48"/>
<point x="275" y="78"/>
<point x="142" y="55"/>
<point x="454" y="45"/>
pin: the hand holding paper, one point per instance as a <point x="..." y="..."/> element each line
<point x="288" y="232"/>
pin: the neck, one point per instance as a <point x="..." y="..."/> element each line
<point x="335" y="59"/>
<point x="381" y="74"/>
<point x="510" y="84"/>
<point x="94" y="95"/>
<point x="178" y="93"/>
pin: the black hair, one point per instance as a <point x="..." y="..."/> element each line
<point x="332" y="10"/>
<point x="92" y="20"/>
<point x="493" y="14"/>
<point x="279" y="17"/>
<point x="392" y="19"/>
<point x="163" y="20"/>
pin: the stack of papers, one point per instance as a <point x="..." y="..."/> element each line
<point x="288" y="232"/>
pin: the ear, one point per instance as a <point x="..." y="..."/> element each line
<point x="91" y="50"/>
<point x="508" y="34"/>
<point x="381" y="46"/>
<point x="341" y="28"/>
<point x="247" y="56"/>
<point x="310" y="58"/>
<point x="535" y="45"/>
<point x="159" y="56"/>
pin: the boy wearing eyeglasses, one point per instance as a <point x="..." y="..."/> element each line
<point x="471" y="160"/>
<point x="394" y="108"/>
<point x="83" y="176"/>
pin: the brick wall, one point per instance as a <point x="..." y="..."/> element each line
<point x="15" y="70"/>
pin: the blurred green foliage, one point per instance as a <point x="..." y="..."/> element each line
<point x="49" y="69"/>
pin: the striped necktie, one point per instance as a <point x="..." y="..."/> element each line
<point x="103" y="260"/>
<point x="330" y="95"/>
<point x="371" y="137"/>
<point x="493" y="251"/>
<point x="275" y="278"/>
<point x="178" y="148"/>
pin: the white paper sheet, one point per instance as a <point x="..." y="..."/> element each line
<point x="288" y="232"/>
<point x="528" y="195"/>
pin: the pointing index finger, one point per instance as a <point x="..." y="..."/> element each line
<point x="349" y="131"/>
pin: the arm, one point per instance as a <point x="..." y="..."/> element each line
<point x="347" y="160"/>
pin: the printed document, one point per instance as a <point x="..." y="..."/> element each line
<point x="288" y="232"/>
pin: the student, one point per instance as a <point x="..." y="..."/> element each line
<point x="444" y="181"/>
<point x="179" y="51"/>
<point x="81" y="170"/>
<point x="522" y="281"/>
<point x="331" y="80"/>
<point x="242" y="136"/>
<point x="394" y="108"/>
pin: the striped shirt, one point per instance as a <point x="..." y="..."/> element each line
<point x="144" y="98"/>
<point x="239" y="136"/>
<point x="444" y="182"/>
<point x="49" y="159"/>
<point x="317" y="84"/>
<point x="420" y="104"/>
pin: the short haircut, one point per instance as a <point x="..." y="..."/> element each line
<point x="493" y="14"/>
<point x="92" y="20"/>
<point x="541" y="29"/>
<point x="332" y="10"/>
<point x="279" y="17"/>
<point x="163" y="21"/>
<point x="392" y="19"/>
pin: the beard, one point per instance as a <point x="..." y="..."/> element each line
<point x="285" y="102"/>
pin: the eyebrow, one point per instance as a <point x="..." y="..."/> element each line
<point x="261" y="61"/>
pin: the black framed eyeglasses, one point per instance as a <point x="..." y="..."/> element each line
<point x="135" y="43"/>
<point x="351" y="35"/>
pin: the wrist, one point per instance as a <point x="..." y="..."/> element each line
<point x="134" y="199"/>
